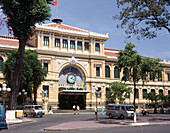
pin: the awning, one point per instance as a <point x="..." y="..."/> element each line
<point x="74" y="92"/>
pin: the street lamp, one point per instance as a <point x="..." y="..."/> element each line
<point x="4" y="91"/>
<point x="97" y="94"/>
<point x="23" y="93"/>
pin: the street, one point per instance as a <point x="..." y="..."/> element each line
<point x="38" y="125"/>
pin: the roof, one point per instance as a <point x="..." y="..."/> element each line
<point x="11" y="41"/>
<point x="110" y="54"/>
<point x="111" y="49"/>
<point x="65" y="27"/>
<point x="7" y="40"/>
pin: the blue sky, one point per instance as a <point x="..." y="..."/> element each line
<point x="96" y="15"/>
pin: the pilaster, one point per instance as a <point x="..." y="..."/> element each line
<point x="61" y="42"/>
<point x="103" y="70"/>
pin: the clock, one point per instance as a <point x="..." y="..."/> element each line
<point x="71" y="78"/>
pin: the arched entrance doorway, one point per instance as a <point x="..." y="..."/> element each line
<point x="72" y="88"/>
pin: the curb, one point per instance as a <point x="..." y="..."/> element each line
<point x="16" y="123"/>
<point x="122" y="126"/>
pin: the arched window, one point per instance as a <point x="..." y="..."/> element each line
<point x="136" y="92"/>
<point x="116" y="72"/>
<point x="1" y="64"/>
<point x="144" y="93"/>
<point x="125" y="74"/>
<point x="161" y="92"/>
<point x="152" y="90"/>
<point x="107" y="92"/>
<point x="107" y="72"/>
<point x="151" y="76"/>
<point x="159" y="76"/>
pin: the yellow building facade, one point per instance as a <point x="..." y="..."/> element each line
<point x="78" y="62"/>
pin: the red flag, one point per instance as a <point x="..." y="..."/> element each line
<point x="54" y="3"/>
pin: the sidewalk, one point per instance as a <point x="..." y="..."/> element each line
<point x="109" y="123"/>
<point x="18" y="121"/>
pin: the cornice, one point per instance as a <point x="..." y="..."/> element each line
<point x="65" y="31"/>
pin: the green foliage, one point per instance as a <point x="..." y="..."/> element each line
<point x="158" y="100"/>
<point x="138" y="67"/>
<point x="32" y="73"/>
<point x="24" y="14"/>
<point x="143" y="17"/>
<point x="118" y="90"/>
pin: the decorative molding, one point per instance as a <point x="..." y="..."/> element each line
<point x="73" y="60"/>
<point x="58" y="63"/>
<point x="85" y="65"/>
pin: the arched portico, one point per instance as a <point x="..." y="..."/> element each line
<point x="72" y="86"/>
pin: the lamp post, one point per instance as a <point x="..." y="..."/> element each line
<point x="4" y="91"/>
<point x="23" y="93"/>
<point x="97" y="93"/>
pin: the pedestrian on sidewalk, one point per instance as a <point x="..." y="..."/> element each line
<point x="102" y="111"/>
<point x="74" y="109"/>
<point x="95" y="110"/>
<point x="50" y="111"/>
<point x="78" y="109"/>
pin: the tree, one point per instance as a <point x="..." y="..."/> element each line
<point x="118" y="90"/>
<point x="137" y="68"/>
<point x="143" y="17"/>
<point x="32" y="74"/>
<point x="22" y="16"/>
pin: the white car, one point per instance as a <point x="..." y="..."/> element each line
<point x="33" y="110"/>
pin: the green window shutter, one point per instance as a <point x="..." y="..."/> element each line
<point x="46" y="41"/>
<point x="126" y="74"/>
<point x="97" y="47"/>
<point x="144" y="93"/>
<point x="107" y="92"/>
<point x="136" y="92"/>
<point x="57" y="43"/>
<point x="1" y="64"/>
<point x="151" y="76"/>
<point x="107" y="72"/>
<point x="46" y="67"/>
<point x="86" y="46"/>
<point x="116" y="72"/>
<point x="159" y="76"/>
<point x="79" y="45"/>
<point x="97" y="71"/>
<point x="65" y="43"/>
<point x="72" y="44"/>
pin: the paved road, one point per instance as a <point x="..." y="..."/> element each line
<point x="51" y="120"/>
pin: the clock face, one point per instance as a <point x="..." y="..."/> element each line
<point x="71" y="78"/>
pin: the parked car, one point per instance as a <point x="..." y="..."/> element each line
<point x="119" y="110"/>
<point x="33" y="110"/>
<point x="3" y="124"/>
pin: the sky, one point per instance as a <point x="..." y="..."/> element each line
<point x="97" y="16"/>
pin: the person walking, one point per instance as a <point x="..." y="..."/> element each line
<point x="74" y="109"/>
<point x="102" y="111"/>
<point x="78" y="109"/>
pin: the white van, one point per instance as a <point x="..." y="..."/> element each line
<point x="119" y="110"/>
<point x="33" y="110"/>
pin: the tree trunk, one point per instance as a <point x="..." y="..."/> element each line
<point x="16" y="75"/>
<point x="35" y="95"/>
<point x="134" y="103"/>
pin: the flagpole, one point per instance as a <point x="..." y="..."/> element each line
<point x="57" y="8"/>
<point x="56" y="20"/>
